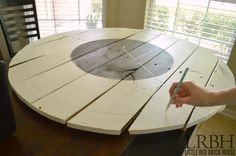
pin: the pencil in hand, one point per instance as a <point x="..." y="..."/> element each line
<point x="177" y="89"/>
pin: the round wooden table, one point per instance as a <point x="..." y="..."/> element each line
<point x="113" y="79"/>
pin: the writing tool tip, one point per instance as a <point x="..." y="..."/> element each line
<point x="168" y="105"/>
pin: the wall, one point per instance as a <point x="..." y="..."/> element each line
<point x="232" y="66"/>
<point x="111" y="13"/>
<point x="232" y="60"/>
<point x="125" y="13"/>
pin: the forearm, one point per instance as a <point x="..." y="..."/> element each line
<point x="227" y="96"/>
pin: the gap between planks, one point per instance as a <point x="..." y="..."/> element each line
<point x="178" y="66"/>
<point x="208" y="81"/>
<point x="115" y="83"/>
<point x="44" y="42"/>
<point x="138" y="131"/>
<point x="75" y="58"/>
<point x="137" y="114"/>
<point x="103" y="65"/>
<point x="118" y="40"/>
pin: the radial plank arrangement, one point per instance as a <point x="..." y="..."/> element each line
<point x="113" y="79"/>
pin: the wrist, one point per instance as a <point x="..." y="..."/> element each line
<point x="215" y="98"/>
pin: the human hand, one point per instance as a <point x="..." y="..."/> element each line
<point x="190" y="93"/>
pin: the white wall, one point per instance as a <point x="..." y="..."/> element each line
<point x="232" y="66"/>
<point x="125" y="13"/>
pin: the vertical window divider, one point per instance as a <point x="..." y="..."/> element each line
<point x="205" y="16"/>
<point x="176" y="15"/>
<point x="54" y="16"/>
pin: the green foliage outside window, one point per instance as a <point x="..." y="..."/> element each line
<point x="215" y="26"/>
<point x="161" y="18"/>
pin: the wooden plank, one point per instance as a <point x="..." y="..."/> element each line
<point x="132" y="60"/>
<point x="62" y="54"/>
<point x="36" y="87"/>
<point x="154" y="117"/>
<point x="41" y="46"/>
<point x="125" y="99"/>
<point x="111" y="112"/>
<point x="153" y="63"/>
<point x="28" y="54"/>
<point x="83" y="91"/>
<point x="97" y="58"/>
<point x="222" y="78"/>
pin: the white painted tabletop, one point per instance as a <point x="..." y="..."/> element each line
<point x="113" y="79"/>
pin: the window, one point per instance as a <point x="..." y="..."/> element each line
<point x="57" y="16"/>
<point x="208" y="23"/>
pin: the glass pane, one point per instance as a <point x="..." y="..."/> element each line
<point x="44" y="9"/>
<point x="211" y="24"/>
<point x="56" y="16"/>
<point x="46" y="28"/>
<point x="63" y="26"/>
<point x="66" y="9"/>
<point x="90" y="13"/>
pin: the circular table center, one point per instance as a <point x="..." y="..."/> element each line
<point x="118" y="59"/>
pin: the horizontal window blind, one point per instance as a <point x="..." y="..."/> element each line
<point x="208" y="23"/>
<point x="57" y="16"/>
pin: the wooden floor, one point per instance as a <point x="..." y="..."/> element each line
<point x="38" y="136"/>
<point x="217" y="125"/>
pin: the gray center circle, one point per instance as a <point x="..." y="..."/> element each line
<point x="122" y="59"/>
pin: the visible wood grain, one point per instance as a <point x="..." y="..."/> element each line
<point x="154" y="117"/>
